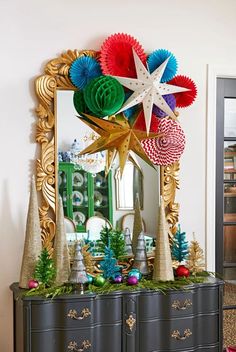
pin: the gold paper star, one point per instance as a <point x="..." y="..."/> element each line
<point x="117" y="137"/>
<point x="110" y="158"/>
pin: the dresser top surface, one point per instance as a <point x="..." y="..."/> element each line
<point x="209" y="282"/>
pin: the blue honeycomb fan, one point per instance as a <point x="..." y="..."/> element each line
<point x="83" y="70"/>
<point x="157" y="57"/>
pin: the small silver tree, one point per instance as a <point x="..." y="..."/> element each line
<point x="78" y="274"/>
<point x="140" y="259"/>
<point x="128" y="242"/>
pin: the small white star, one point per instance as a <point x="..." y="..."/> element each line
<point x="148" y="90"/>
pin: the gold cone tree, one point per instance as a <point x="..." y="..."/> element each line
<point x="162" y="264"/>
<point x="138" y="224"/>
<point x="33" y="242"/>
<point x="61" y="253"/>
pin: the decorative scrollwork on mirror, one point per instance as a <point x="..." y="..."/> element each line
<point x="56" y="77"/>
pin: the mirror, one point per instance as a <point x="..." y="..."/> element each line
<point x="92" y="194"/>
<point x="127" y="186"/>
<point x="49" y="85"/>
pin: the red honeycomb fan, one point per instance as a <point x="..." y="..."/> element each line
<point x="117" y="56"/>
<point x="184" y="99"/>
<point x="140" y="123"/>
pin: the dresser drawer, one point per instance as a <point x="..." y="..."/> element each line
<point x="108" y="310"/>
<point x="179" y="334"/>
<point x="62" y="314"/>
<point x="61" y="340"/>
<point x="160" y="306"/>
<point x="178" y="304"/>
<point x="75" y="314"/>
<point x="207" y="299"/>
<point x="96" y="339"/>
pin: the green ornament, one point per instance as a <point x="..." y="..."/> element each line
<point x="99" y="281"/>
<point x="79" y="103"/>
<point x="104" y="96"/>
<point x="136" y="273"/>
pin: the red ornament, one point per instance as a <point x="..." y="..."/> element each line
<point x="231" y="349"/>
<point x="141" y="125"/>
<point x="33" y="283"/>
<point x="182" y="271"/>
<point x="184" y="99"/>
<point x="117" y="55"/>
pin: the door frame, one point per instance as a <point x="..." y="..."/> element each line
<point x="214" y="72"/>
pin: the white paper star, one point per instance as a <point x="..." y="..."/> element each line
<point x="148" y="90"/>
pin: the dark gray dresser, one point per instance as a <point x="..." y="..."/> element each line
<point x="143" y="321"/>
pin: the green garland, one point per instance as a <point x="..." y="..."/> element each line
<point x="49" y="292"/>
<point x="108" y="287"/>
<point x="161" y="286"/>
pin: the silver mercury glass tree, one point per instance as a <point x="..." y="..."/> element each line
<point x="140" y="259"/>
<point x="128" y="242"/>
<point x="78" y="274"/>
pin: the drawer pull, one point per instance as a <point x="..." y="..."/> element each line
<point x="176" y="334"/>
<point x="73" y="314"/>
<point x="130" y="322"/>
<point x="74" y="347"/>
<point x="178" y="306"/>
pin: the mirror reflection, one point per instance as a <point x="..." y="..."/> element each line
<point x="128" y="186"/>
<point x="82" y="184"/>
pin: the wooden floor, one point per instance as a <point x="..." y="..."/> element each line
<point x="229" y="315"/>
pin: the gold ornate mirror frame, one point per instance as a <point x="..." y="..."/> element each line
<point x="56" y="77"/>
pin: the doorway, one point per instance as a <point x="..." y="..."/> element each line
<point x="225" y="205"/>
<point x="226" y="179"/>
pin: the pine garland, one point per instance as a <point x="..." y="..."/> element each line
<point x="49" y="292"/>
<point x="161" y="286"/>
<point x="108" y="287"/>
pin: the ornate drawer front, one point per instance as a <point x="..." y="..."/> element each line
<point x="75" y="314"/>
<point x="178" y="334"/>
<point x="63" y="341"/>
<point x="159" y="306"/>
<point x="178" y="304"/>
<point x="207" y="299"/>
<point x="96" y="339"/>
<point x="108" y="338"/>
<point x="108" y="310"/>
<point x="55" y="314"/>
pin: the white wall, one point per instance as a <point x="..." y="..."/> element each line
<point x="32" y="32"/>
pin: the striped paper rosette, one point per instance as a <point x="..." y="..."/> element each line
<point x="168" y="148"/>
